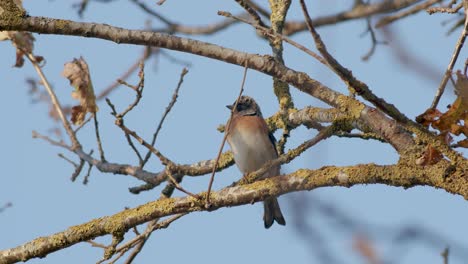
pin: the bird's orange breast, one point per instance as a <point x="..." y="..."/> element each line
<point x="250" y="143"/>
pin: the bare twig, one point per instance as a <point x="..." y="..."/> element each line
<point x="162" y="158"/>
<point x="178" y="186"/>
<point x="147" y="52"/>
<point x="346" y="75"/>
<point x="96" y="244"/>
<point x="55" y="101"/>
<point x="445" y="9"/>
<point x="445" y="255"/>
<point x="453" y="60"/>
<point x="68" y="160"/>
<point x="139" y="93"/>
<point x="251" y="12"/>
<point x="88" y="173"/>
<point x="77" y="171"/>
<point x="98" y="138"/>
<point x="173" y="27"/>
<point x="413" y="10"/>
<point x="84" y="123"/>
<point x="259" y="9"/>
<point x="81" y="7"/>
<point x="270" y="33"/>
<point x="140" y="240"/>
<point x="374" y="40"/>
<point x="168" y="109"/>
<point x="5" y="206"/>
<point x="208" y="204"/>
<point x="141" y="188"/>
<point x="130" y="143"/>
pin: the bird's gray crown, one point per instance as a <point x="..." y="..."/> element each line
<point x="246" y="106"/>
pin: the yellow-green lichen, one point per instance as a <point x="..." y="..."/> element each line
<point x="11" y="15"/>
<point x="350" y="106"/>
<point x="62" y="24"/>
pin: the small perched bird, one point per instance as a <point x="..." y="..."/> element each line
<point x="253" y="145"/>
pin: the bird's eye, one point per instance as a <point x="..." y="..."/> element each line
<point x="241" y="107"/>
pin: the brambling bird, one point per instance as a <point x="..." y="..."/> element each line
<point x="253" y="145"/>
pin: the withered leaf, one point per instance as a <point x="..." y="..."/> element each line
<point x="451" y="120"/>
<point x="77" y="72"/>
<point x="463" y="143"/>
<point x="430" y="157"/>
<point x="446" y="137"/>
<point x="366" y="249"/>
<point x="23" y="42"/>
<point x="428" y="117"/>
<point x="461" y="87"/>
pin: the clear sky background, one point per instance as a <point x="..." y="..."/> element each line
<point x="45" y="201"/>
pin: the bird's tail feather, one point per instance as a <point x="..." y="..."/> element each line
<point x="272" y="212"/>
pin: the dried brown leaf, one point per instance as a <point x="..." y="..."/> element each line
<point x="446" y="137"/>
<point x="428" y="117"/>
<point x="461" y="88"/>
<point x="463" y="143"/>
<point x="23" y="42"/>
<point x="77" y="72"/>
<point x="451" y="120"/>
<point x="430" y="157"/>
<point x="366" y="249"/>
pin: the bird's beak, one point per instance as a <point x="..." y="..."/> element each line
<point x="230" y="107"/>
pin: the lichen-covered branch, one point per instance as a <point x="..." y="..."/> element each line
<point x="264" y="64"/>
<point x="392" y="175"/>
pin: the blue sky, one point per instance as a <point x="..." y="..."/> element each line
<point x="45" y="201"/>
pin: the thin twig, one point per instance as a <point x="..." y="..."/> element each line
<point x="141" y="188"/>
<point x="77" y="171"/>
<point x="141" y="239"/>
<point x="98" y="138"/>
<point x="270" y="33"/>
<point x="374" y="40"/>
<point x="415" y="9"/>
<point x="456" y="52"/>
<point x="147" y="52"/>
<point x="115" y="168"/>
<point x="137" y="88"/>
<point x="168" y="109"/>
<point x="259" y="9"/>
<point x="95" y="244"/>
<point x="347" y="76"/>
<point x="178" y="186"/>
<point x="251" y="12"/>
<point x="445" y="255"/>
<point x="35" y="134"/>
<point x="5" y="206"/>
<point x="68" y="160"/>
<point x="55" y="101"/>
<point x="86" y="177"/>
<point x="130" y="143"/>
<point x="164" y="160"/>
<point x="83" y="124"/>
<point x="445" y="9"/>
<point x="207" y="204"/>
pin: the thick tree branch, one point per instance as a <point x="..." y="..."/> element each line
<point x="393" y="175"/>
<point x="264" y="64"/>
